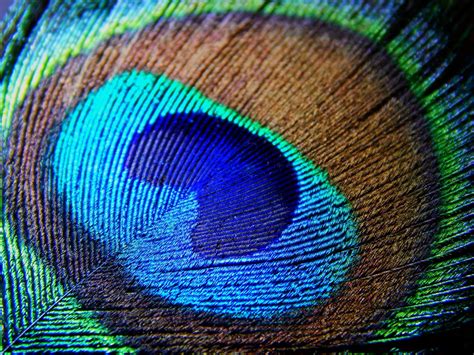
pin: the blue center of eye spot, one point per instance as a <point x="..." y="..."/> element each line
<point x="246" y="189"/>
<point x="203" y="207"/>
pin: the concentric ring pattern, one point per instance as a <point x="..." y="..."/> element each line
<point x="234" y="175"/>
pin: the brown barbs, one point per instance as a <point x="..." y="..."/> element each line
<point x="331" y="93"/>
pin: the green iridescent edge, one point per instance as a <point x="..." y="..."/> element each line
<point x="410" y="319"/>
<point x="65" y="310"/>
<point x="437" y="112"/>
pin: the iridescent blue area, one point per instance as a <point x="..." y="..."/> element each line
<point x="158" y="173"/>
<point x="246" y="189"/>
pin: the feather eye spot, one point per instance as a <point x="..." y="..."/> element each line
<point x="209" y="195"/>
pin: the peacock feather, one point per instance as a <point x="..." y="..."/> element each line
<point x="236" y="175"/>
